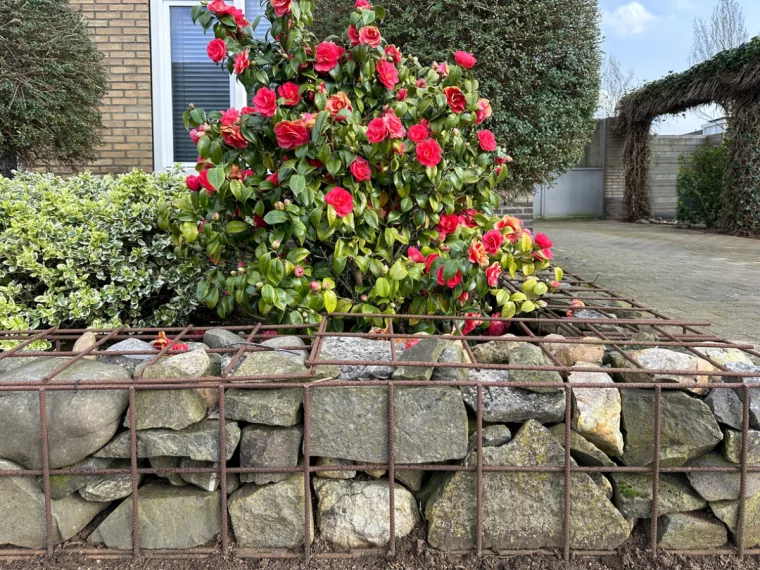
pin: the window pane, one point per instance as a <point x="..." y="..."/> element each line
<point x="195" y="78"/>
<point x="254" y="9"/>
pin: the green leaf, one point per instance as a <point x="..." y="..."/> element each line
<point x="398" y="271"/>
<point x="276" y="217"/>
<point x="383" y="288"/>
<point x="297" y="184"/>
<point x="235" y="227"/>
<point x="331" y="301"/>
<point x="268" y="294"/>
<point x="189" y="231"/>
<point x="216" y="177"/>
<point x="276" y="271"/>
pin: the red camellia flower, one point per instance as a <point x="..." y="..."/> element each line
<point x="483" y="112"/>
<point x="377" y="130"/>
<point x="393" y="52"/>
<point x="492" y="274"/>
<point x="421" y="83"/>
<point x="477" y="253"/>
<point x="386" y="73"/>
<point x="414" y="254"/>
<point x="265" y="102"/>
<point x="394" y="125"/>
<point x="542" y="241"/>
<point x="455" y="98"/>
<point x="353" y="35"/>
<point x="464" y="59"/>
<point x="487" y="140"/>
<point x="241" y="62"/>
<point x="492" y="241"/>
<point x="274" y="178"/>
<point x="451" y="283"/>
<point x="447" y="225"/>
<point x="429" y="261"/>
<point x="497" y="328"/>
<point x="401" y="94"/>
<point x="203" y="179"/>
<point x="468" y="218"/>
<point x="337" y="103"/>
<point x="362" y="4"/>
<point x="291" y="134"/>
<point x="233" y="137"/>
<point x="258" y="221"/>
<point x="341" y="200"/>
<point x="193" y="183"/>
<point x="429" y="153"/>
<point x="470" y="326"/>
<point x="419" y="132"/>
<point x="289" y="92"/>
<point x="463" y="298"/>
<point x="281" y="7"/>
<point x="360" y="169"/>
<point x="195" y="135"/>
<point x="328" y="54"/>
<point x="220" y="8"/>
<point x="230" y="117"/>
<point x="216" y="50"/>
<point x="370" y="36"/>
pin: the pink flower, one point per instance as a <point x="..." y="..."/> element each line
<point x="421" y="83"/>
<point x="353" y="35"/>
<point x="497" y="328"/>
<point x="230" y="117"/>
<point x="337" y="103"/>
<point x="464" y="59"/>
<point x="443" y="69"/>
<point x="370" y="36"/>
<point x="447" y="225"/>
<point x="393" y="52"/>
<point x="247" y="110"/>
<point x="395" y="127"/>
<point x="281" y="7"/>
<point x="377" y="130"/>
<point x="217" y="50"/>
<point x="451" y="283"/>
<point x="193" y="183"/>
<point x="492" y="241"/>
<point x="401" y="95"/>
<point x="555" y="284"/>
<point x="289" y="92"/>
<point x="315" y="286"/>
<point x="265" y="102"/>
<point x="341" y="200"/>
<point x="468" y="218"/>
<point x="492" y="274"/>
<point x="386" y="73"/>
<point x="414" y="254"/>
<point x="291" y="134"/>
<point x="328" y="54"/>
<point x="542" y="241"/>
<point x="471" y="325"/>
<point x="241" y="62"/>
<point x="298" y="271"/>
<point x="429" y="153"/>
<point x="455" y="98"/>
<point x="196" y="135"/>
<point x="487" y="140"/>
<point x="220" y="8"/>
<point x="463" y="298"/>
<point x="362" y="4"/>
<point x="483" y="112"/>
<point x="418" y="133"/>
<point x="360" y="169"/>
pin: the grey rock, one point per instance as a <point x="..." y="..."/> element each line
<point x="532" y="355"/>
<point x="22" y="512"/>
<point x="687" y="428"/>
<point x="426" y="350"/>
<point x="165" y="462"/>
<point x="64" y="485"/>
<point x="189" y="364"/>
<point x="719" y="486"/>
<point x="206" y="481"/>
<point x="728" y="512"/>
<point x="523" y="510"/>
<point x="453" y="352"/>
<point x="633" y="495"/>
<point x="354" y="348"/>
<point x="288" y="342"/>
<point x="222" y="338"/>
<point x="79" y="423"/>
<point x="661" y="358"/>
<point x="233" y="483"/>
<point x="172" y="409"/>
<point x="256" y="365"/>
<point x="493" y="436"/>
<point x="129" y="361"/>
<point x="603" y="483"/>
<point x="170" y="517"/>
<point x="754" y="397"/>
<point x="496" y="351"/>
<point x="199" y="441"/>
<point x="107" y="488"/>
<point x="17" y="361"/>
<point x="596" y="412"/>
<point x="281" y="407"/>
<point x="352" y="423"/>
<point x="331" y="462"/>
<point x="355" y="514"/>
<point x="732" y="446"/>
<point x="271" y="516"/>
<point x="512" y="405"/>
<point x="690" y="531"/>
<point x="267" y="446"/>
<point x="411" y="478"/>
<point x="725" y="406"/>
<point x="582" y="450"/>
<point x="84" y="342"/>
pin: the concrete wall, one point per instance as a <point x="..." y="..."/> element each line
<point x="522" y="209"/>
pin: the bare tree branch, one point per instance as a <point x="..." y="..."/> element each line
<point x="615" y="84"/>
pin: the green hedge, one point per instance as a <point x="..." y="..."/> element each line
<point x="88" y="251"/>
<point x="700" y="186"/>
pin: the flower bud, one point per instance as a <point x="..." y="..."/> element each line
<point x="288" y="202"/>
<point x="276" y="244"/>
<point x="315" y="285"/>
<point x="298" y="271"/>
<point x="385" y="269"/>
<point x="364" y="298"/>
<point x="215" y="217"/>
<point x="233" y="272"/>
<point x="279" y="206"/>
<point x="259" y="285"/>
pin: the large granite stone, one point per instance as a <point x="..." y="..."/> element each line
<point x="719" y="486"/>
<point x="687" y="428"/>
<point x="532" y="355"/>
<point x="732" y="446"/>
<point x="170" y="517"/>
<point x="271" y="516"/>
<point x="754" y="393"/>
<point x="664" y="359"/>
<point x="453" y="352"/>
<point x="129" y="361"/>
<point x="495" y="351"/>
<point x="355" y="348"/>
<point x="633" y="495"/>
<point x="164" y="462"/>
<point x="280" y="407"/>
<point x="523" y="510"/>
<point x="222" y="338"/>
<point x="725" y="406"/>
<point x="426" y="350"/>
<point x="356" y="514"/>
<point x="596" y="412"/>
<point x="64" y="485"/>
<point x="206" y="481"/>
<point x="189" y="364"/>
<point x="582" y="450"/>
<point x="287" y="347"/>
<point x="728" y="512"/>
<point x="352" y="423"/>
<point x="22" y="511"/>
<point x="493" y="436"/>
<point x="587" y="350"/>
<point x="172" y="409"/>
<point x="268" y="446"/>
<point x="689" y="531"/>
<point x="512" y="405"/>
<point x="107" y="488"/>
<point x="199" y="441"/>
<point x="79" y="422"/>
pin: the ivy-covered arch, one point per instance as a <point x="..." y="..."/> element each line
<point x="731" y="79"/>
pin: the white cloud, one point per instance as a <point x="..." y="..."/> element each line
<point x="628" y="20"/>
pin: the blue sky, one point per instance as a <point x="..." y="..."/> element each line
<point x="653" y="37"/>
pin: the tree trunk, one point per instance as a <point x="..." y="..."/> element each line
<point x="637" y="155"/>
<point x="8" y="163"/>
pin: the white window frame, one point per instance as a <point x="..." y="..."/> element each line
<point x="161" y="81"/>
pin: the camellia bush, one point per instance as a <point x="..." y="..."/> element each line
<point x="356" y="181"/>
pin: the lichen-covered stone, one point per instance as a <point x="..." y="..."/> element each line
<point x="170" y="517"/>
<point x="189" y="364"/>
<point x="728" y="512"/>
<point x="596" y="412"/>
<point x="724" y="356"/>
<point x="280" y="407"/>
<point x="495" y="351"/>
<point x="633" y="495"/>
<point x="271" y="516"/>
<point x="355" y="514"/>
<point x="266" y="363"/>
<point x="287" y="347"/>
<point x="172" y="409"/>
<point x="79" y="423"/>
<point x="687" y="428"/>
<point x="453" y="352"/>
<point x="582" y="450"/>
<point x="426" y="350"/>
<point x="725" y="406"/>
<point x="411" y="478"/>
<point x="199" y="441"/>
<point x="165" y="462"/>
<point x="523" y="510"/>
<point x="64" y="485"/>
<point x="532" y="355"/>
<point x="732" y="446"/>
<point x="268" y="446"/>
<point x="661" y="358"/>
<point x="107" y="488"/>
<point x="493" y="436"/>
<point x="719" y="486"/>
<point x="206" y="481"/>
<point x="352" y="423"/>
<point x="330" y="462"/>
<point x="689" y="531"/>
<point x="512" y="405"/>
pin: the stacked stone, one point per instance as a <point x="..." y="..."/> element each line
<point x="610" y="426"/>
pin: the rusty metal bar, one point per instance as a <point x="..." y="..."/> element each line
<point x="479" y="478"/>
<point x="568" y="498"/>
<point x="392" y="467"/>
<point x="306" y="471"/>
<point x="223" y="470"/>
<point x="49" y="537"/>
<point x="136" y="540"/>
<point x="656" y="466"/>
<point x="741" y="511"/>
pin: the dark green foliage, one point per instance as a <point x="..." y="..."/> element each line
<point x="700" y="186"/>
<point x="538" y="63"/>
<point x="51" y="82"/>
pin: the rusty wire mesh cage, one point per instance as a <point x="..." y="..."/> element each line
<point x="606" y="319"/>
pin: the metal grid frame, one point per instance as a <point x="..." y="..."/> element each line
<point x="528" y="329"/>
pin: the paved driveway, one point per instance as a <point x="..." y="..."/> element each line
<point x="686" y="274"/>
